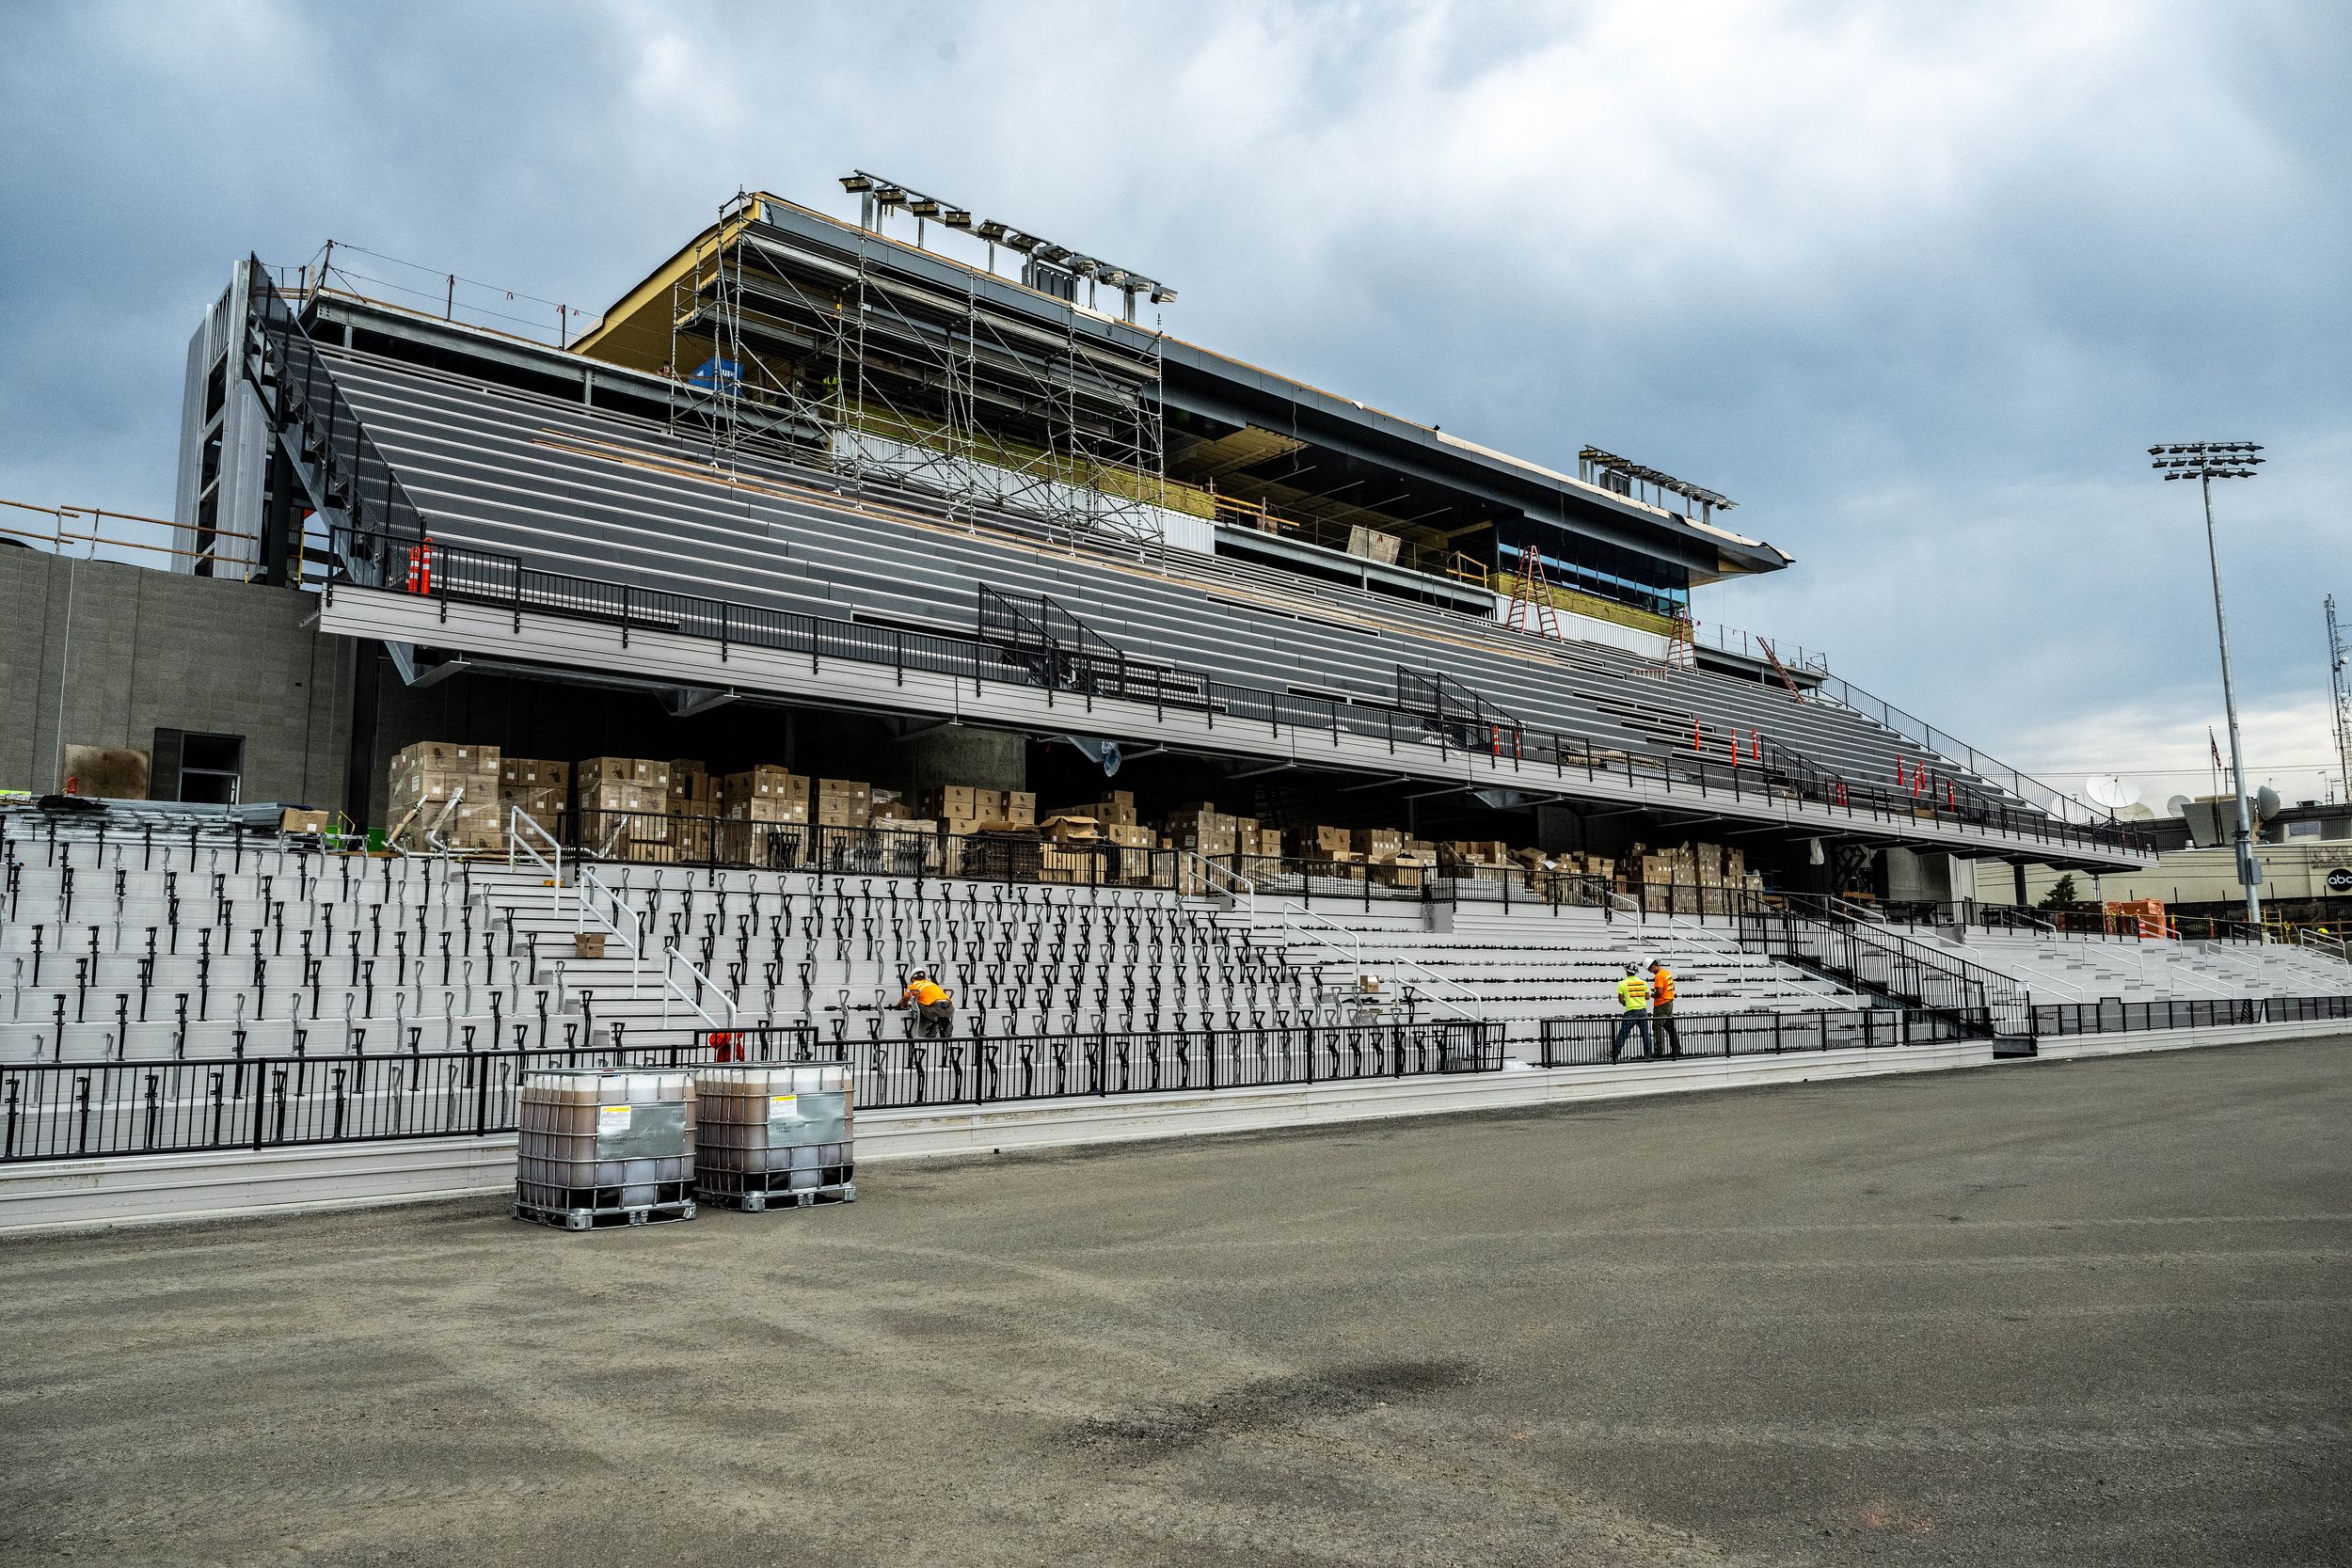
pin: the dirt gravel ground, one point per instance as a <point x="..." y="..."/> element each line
<point x="2081" y="1314"/>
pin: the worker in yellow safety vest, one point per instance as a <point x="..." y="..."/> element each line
<point x="1633" y="994"/>
<point x="1662" y="1006"/>
<point x="934" y="1009"/>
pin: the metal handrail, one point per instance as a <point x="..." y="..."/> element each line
<point x="2333" y="947"/>
<point x="516" y="822"/>
<point x="671" y="955"/>
<point x="1239" y="886"/>
<point x="1355" y="955"/>
<point x="636" y="943"/>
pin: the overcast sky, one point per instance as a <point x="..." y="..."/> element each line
<point x="1916" y="285"/>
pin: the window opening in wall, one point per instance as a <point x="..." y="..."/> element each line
<point x="211" y="768"/>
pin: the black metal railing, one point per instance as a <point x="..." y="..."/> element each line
<point x="1870" y="958"/>
<point x="91" y="1110"/>
<point x="384" y="541"/>
<point x="895" y="1071"/>
<point x="352" y="482"/>
<point x="87" y="1109"/>
<point x="454" y="574"/>
<point x="1585" y="1041"/>
<point x="2118" y="1017"/>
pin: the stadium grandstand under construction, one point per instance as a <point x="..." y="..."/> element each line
<point x="859" y="593"/>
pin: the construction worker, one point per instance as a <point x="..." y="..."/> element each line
<point x="1633" y="993"/>
<point x="1662" y="1006"/>
<point x="934" y="1009"/>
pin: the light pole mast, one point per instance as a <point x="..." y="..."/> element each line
<point x="2337" y="660"/>
<point x="2207" y="461"/>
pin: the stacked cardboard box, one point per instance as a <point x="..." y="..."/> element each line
<point x="763" y="794"/>
<point x="692" y="803"/>
<point x="1689" y="878"/>
<point x="1114" y="810"/>
<point x="844" y="804"/>
<point x="1474" y="857"/>
<point x="756" y="808"/>
<point x="425" y="777"/>
<point x="1204" y="830"/>
<point x="624" y="802"/>
<point x="1330" y="852"/>
<point x="965" y="809"/>
<point x="951" y="803"/>
<point x="539" y="789"/>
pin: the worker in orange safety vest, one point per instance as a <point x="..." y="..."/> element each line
<point x="934" y="1009"/>
<point x="1662" y="1009"/>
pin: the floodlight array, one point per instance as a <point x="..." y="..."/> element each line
<point x="889" y="193"/>
<point x="2205" y="459"/>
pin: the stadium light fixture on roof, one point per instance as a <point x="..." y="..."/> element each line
<point x="880" y="194"/>
<point x="2207" y="461"/>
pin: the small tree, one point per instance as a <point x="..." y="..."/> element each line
<point x="2061" y="895"/>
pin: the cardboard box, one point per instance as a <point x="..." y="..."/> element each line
<point x="588" y="945"/>
<point x="445" y="756"/>
<point x="302" y="821"/>
<point x="1378" y="842"/>
<point x="644" y="772"/>
<point x="950" y="801"/>
<point x="1020" y="806"/>
<point x="533" y="773"/>
<point x="621" y="795"/>
<point x="1328" y="839"/>
<point x="762" y="784"/>
<point x="988" y="804"/>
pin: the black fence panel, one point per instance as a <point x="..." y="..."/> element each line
<point x="987" y="1069"/>
<point x="66" y="1111"/>
<point x="2113" y="1016"/>
<point x="87" y="1109"/>
<point x="1585" y="1041"/>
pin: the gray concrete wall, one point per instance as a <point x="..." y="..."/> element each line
<point x="131" y="650"/>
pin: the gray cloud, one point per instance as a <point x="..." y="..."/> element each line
<point x="1915" y="285"/>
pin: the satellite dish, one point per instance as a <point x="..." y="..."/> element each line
<point x="2110" y="790"/>
<point x="2177" y="806"/>
<point x="2266" y="802"/>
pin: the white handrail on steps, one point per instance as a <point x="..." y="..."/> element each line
<point x="2332" y="947"/>
<point x="1237" y="885"/>
<point x="516" y="823"/>
<point x="1355" y="956"/>
<point x="672" y="955"/>
<point x="671" y="985"/>
<point x="585" y="880"/>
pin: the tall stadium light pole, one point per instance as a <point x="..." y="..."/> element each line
<point x="2207" y="461"/>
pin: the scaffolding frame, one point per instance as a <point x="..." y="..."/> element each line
<point x="939" y="390"/>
